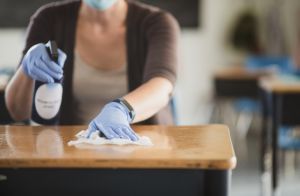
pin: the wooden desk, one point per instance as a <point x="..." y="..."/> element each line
<point x="188" y="160"/>
<point x="237" y="81"/>
<point x="278" y="85"/>
<point x="231" y="84"/>
<point x="239" y="72"/>
<point x="280" y="101"/>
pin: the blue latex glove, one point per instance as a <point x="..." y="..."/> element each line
<point x="38" y="65"/>
<point x="113" y="121"/>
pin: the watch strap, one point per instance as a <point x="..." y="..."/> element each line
<point x="125" y="103"/>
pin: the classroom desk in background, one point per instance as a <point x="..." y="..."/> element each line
<point x="238" y="87"/>
<point x="185" y="160"/>
<point x="281" y="102"/>
<point x="237" y="82"/>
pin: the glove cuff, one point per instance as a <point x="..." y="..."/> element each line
<point x="24" y="68"/>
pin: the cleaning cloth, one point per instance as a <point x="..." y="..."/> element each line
<point x="95" y="139"/>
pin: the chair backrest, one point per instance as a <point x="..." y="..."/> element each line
<point x="174" y="110"/>
<point x="280" y="63"/>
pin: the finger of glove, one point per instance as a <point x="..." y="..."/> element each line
<point x="120" y="132"/>
<point x="40" y="75"/>
<point x="51" y="64"/>
<point x="49" y="61"/>
<point x="92" y="128"/>
<point x="50" y="68"/>
<point x="109" y="133"/>
<point x="130" y="133"/>
<point x="62" y="57"/>
<point x="102" y="132"/>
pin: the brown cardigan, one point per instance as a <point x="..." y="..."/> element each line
<point x="151" y="47"/>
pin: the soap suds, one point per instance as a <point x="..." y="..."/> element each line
<point x="95" y="139"/>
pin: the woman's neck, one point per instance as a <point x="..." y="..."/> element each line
<point x="112" y="17"/>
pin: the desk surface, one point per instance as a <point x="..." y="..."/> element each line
<point x="278" y="84"/>
<point x="207" y="147"/>
<point x="239" y="73"/>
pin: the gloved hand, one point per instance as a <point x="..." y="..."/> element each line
<point x="38" y="65"/>
<point x="113" y="122"/>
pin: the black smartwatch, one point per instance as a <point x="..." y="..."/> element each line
<point x="127" y="106"/>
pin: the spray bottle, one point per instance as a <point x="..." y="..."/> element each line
<point x="47" y="97"/>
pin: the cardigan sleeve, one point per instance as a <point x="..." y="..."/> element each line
<point x="39" y="28"/>
<point x="162" y="38"/>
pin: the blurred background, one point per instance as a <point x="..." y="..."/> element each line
<point x="215" y="35"/>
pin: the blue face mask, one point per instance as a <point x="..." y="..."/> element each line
<point x="100" y="4"/>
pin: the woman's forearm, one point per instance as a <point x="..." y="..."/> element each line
<point x="18" y="96"/>
<point x="146" y="100"/>
<point x="150" y="97"/>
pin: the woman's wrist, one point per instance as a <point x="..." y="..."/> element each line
<point x="128" y="107"/>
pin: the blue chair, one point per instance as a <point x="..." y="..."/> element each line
<point x="173" y="105"/>
<point x="287" y="140"/>
<point x="289" y="143"/>
<point x="246" y="107"/>
<point x="257" y="63"/>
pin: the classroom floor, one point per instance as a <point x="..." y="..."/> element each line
<point x="246" y="178"/>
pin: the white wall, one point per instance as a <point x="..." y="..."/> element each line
<point x="202" y="51"/>
<point x="11" y="45"/>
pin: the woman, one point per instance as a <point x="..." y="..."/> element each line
<point x="114" y="48"/>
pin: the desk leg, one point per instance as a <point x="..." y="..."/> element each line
<point x="217" y="182"/>
<point x="276" y="105"/>
<point x="264" y="128"/>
